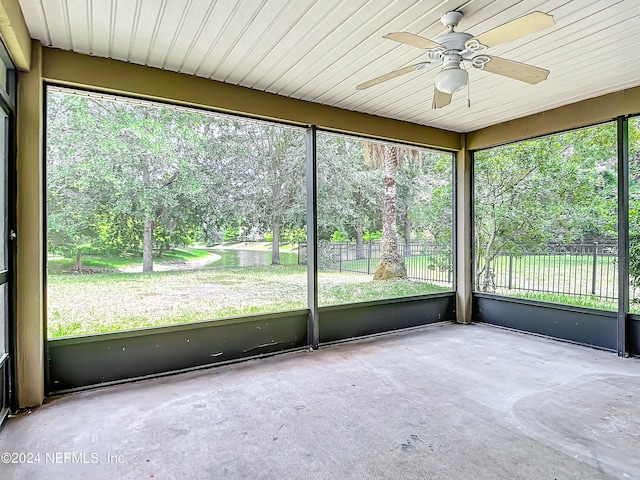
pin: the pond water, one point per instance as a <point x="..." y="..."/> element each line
<point x="250" y="258"/>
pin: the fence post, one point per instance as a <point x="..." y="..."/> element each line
<point x="369" y="259"/>
<point x="595" y="261"/>
<point x="510" y="270"/>
<point x="340" y="260"/>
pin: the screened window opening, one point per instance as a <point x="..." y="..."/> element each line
<point x="384" y="220"/>
<point x="545" y="219"/>
<point x="160" y="216"/>
<point x="634" y="215"/>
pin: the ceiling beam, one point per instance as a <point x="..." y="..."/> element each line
<point x="72" y="69"/>
<point x="576" y="115"/>
<point x="15" y="35"/>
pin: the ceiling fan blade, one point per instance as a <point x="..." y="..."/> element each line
<point x="412" y="39"/>
<point x="519" y="71"/>
<point x="531" y="23"/>
<point x="440" y="99"/>
<point x="390" y="75"/>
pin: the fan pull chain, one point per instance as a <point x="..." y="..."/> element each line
<point x="468" y="91"/>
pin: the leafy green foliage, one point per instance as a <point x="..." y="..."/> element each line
<point x="376" y="235"/>
<point x="126" y="177"/>
<point x="122" y="176"/>
<point x="425" y="194"/>
<point x="349" y="189"/>
<point x="114" y="168"/>
<point x="634" y="204"/>
<point x="556" y="189"/>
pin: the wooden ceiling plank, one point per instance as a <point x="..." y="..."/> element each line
<point x="270" y="43"/>
<point x="167" y="30"/>
<point x="145" y="31"/>
<point x="55" y="13"/>
<point x="313" y="28"/>
<point x="320" y="50"/>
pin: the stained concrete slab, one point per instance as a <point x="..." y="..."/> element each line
<point x="440" y="402"/>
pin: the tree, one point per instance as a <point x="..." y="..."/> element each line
<point x="349" y="190"/>
<point x="216" y="161"/>
<point x="157" y="182"/>
<point x="634" y="203"/>
<point x="72" y="221"/>
<point x="134" y="165"/>
<point x="415" y="169"/>
<point x="553" y="189"/>
<point x="268" y="172"/>
<point x="425" y="195"/>
<point x="391" y="264"/>
<point x="431" y="210"/>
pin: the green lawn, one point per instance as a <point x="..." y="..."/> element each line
<point x="112" y="262"/>
<point x="112" y="301"/>
<point x="559" y="273"/>
<point x="106" y="302"/>
<point x="428" y="262"/>
<point x="569" y="275"/>
<point x="588" y="302"/>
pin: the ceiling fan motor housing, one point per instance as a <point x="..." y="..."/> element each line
<point x="454" y="40"/>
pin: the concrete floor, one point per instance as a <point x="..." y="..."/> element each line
<point x="440" y="402"/>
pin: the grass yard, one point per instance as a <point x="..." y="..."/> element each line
<point x="107" y="302"/>
<point x="558" y="278"/>
<point x="587" y="302"/>
<point x="428" y="261"/>
<point x="114" y="263"/>
<point x="426" y="268"/>
<point x="259" y="246"/>
<point x="564" y="274"/>
<point x="121" y="299"/>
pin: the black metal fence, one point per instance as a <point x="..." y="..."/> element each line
<point x="424" y="261"/>
<point x="585" y="269"/>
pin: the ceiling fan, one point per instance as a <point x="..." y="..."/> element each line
<point x="453" y="48"/>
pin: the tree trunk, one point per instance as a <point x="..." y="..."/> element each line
<point x="275" y="243"/>
<point x="391" y="262"/>
<point x="78" y="267"/>
<point x="160" y="250"/>
<point x="147" y="247"/>
<point x="407" y="232"/>
<point x="359" y="242"/>
<point x="487" y="272"/>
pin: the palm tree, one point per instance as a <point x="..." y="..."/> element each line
<point x="391" y="263"/>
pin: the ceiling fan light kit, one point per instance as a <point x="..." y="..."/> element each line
<point x="453" y="48"/>
<point x="452" y="78"/>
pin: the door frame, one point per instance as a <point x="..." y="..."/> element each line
<point x="8" y="107"/>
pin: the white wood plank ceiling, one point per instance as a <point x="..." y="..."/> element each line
<point x="319" y="50"/>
